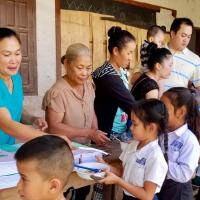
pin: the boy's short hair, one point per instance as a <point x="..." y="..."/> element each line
<point x="176" y="24"/>
<point x="153" y="30"/>
<point x="53" y="154"/>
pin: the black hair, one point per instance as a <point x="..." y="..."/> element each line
<point x="118" y="38"/>
<point x="7" y="32"/>
<point x="52" y="153"/>
<point x="176" y="24"/>
<point x="156" y="55"/>
<point x="180" y="96"/>
<point x="153" y="30"/>
<point x="152" y="111"/>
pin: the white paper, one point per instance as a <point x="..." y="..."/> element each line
<point x="6" y="156"/>
<point x="8" y="168"/>
<point x="9" y="181"/>
<point x="93" y="149"/>
<point x="89" y="157"/>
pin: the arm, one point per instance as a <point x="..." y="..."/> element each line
<point x="115" y="87"/>
<point x="144" y="193"/>
<point x="195" y="79"/>
<point x="15" y="129"/>
<point x="94" y="122"/>
<point x="56" y="126"/>
<point x="183" y="169"/>
<point x="152" y="94"/>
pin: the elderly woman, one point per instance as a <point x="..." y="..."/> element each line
<point x="69" y="103"/>
<point x="11" y="93"/>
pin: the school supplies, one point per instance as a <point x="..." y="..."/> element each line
<point x="84" y="154"/>
<point x="8" y="170"/>
<point x="9" y="181"/>
<point x="85" y="170"/>
<point x="88" y="168"/>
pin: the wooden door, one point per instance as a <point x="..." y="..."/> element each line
<point x="20" y="16"/>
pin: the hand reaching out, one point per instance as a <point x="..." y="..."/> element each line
<point x="99" y="137"/>
<point x="40" y="123"/>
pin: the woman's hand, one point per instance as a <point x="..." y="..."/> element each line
<point x="40" y="123"/>
<point x="99" y="137"/>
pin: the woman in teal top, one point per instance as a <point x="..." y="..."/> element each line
<point x="11" y="93"/>
<point x="13" y="102"/>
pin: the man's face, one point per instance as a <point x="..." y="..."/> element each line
<point x="180" y="40"/>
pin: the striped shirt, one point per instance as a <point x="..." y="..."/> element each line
<point x="186" y="68"/>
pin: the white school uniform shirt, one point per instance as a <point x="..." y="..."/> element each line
<point x="183" y="154"/>
<point x="145" y="164"/>
<point x="186" y="67"/>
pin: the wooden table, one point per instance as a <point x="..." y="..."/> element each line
<point x="74" y="180"/>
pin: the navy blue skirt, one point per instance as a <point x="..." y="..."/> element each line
<point x="172" y="190"/>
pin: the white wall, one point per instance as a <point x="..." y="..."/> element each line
<point x="185" y="8"/>
<point x="46" y="53"/>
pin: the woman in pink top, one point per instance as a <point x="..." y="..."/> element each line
<point x="69" y="102"/>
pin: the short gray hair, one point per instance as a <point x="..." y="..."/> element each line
<point x="75" y="50"/>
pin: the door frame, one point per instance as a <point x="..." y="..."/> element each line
<point x="58" y="38"/>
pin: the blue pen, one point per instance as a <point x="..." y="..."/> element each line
<point x="88" y="168"/>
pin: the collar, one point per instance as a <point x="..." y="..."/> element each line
<point x="180" y="131"/>
<point x="147" y="148"/>
<point x="78" y="96"/>
<point x="184" y="51"/>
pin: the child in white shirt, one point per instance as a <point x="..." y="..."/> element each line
<point x="181" y="146"/>
<point x="143" y="168"/>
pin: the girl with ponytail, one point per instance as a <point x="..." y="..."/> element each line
<point x="182" y="148"/>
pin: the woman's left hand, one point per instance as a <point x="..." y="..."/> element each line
<point x="40" y="123"/>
